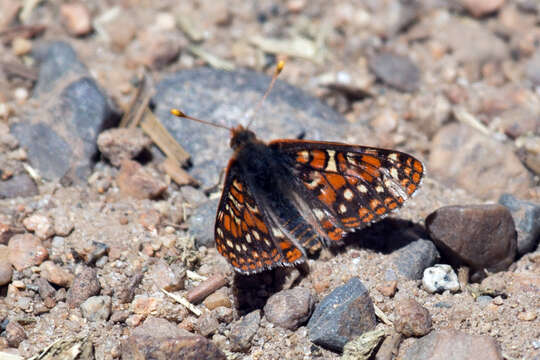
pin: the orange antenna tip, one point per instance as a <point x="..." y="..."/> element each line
<point x="178" y="113"/>
<point x="280" y="65"/>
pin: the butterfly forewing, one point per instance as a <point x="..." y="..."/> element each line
<point x="348" y="187"/>
<point x="245" y="232"/>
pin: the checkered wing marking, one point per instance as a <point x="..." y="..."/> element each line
<point x="245" y="234"/>
<point x="351" y="186"/>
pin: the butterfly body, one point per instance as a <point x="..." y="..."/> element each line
<point x="287" y="197"/>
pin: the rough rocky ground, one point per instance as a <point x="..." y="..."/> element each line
<point x="91" y="229"/>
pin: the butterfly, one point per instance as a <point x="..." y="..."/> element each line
<point x="288" y="197"/>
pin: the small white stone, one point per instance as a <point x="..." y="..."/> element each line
<point x="439" y="278"/>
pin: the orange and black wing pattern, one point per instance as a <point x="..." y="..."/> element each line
<point x="348" y="187"/>
<point x="246" y="234"/>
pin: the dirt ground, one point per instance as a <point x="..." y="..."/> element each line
<point x="473" y="63"/>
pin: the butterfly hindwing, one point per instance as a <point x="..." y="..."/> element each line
<point x="349" y="187"/>
<point x="245" y="233"/>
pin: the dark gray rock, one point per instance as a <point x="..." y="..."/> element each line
<point x="226" y="97"/>
<point x="480" y="236"/>
<point x="55" y="60"/>
<point x="49" y="152"/>
<point x="243" y="330"/>
<point x="61" y="135"/>
<point x="526" y="217"/>
<point x="201" y="223"/>
<point x="20" y="185"/>
<point x="345" y="313"/>
<point x="395" y="70"/>
<point x="411" y="260"/>
<point x="290" y="308"/>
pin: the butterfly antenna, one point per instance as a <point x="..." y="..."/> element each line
<point x="279" y="67"/>
<point x="181" y="114"/>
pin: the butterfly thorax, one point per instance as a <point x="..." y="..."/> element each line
<point x="240" y="136"/>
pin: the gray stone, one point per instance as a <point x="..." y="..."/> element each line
<point x="55" y="60"/>
<point x="290" y="308"/>
<point x="395" y="70"/>
<point x="60" y="137"/>
<point x="243" y="331"/>
<point x="345" y="313"/>
<point x="411" y="260"/>
<point x="526" y="217"/>
<point x="96" y="308"/>
<point x="201" y="223"/>
<point x="226" y="97"/>
<point x="20" y="185"/>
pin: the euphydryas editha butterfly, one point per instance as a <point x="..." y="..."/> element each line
<point x="288" y="196"/>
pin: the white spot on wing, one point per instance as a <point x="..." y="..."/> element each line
<point x="362" y="188"/>
<point x="342" y="208"/>
<point x="315" y="182"/>
<point x="331" y="166"/>
<point x="348" y="194"/>
<point x="277" y="232"/>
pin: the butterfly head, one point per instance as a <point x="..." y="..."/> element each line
<point x="241" y="136"/>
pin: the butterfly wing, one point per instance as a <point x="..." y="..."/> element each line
<point x="348" y="187"/>
<point x="246" y="234"/>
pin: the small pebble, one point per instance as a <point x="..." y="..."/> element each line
<point x="21" y="94"/>
<point x="26" y="250"/>
<point x="76" y="18"/>
<point x="219" y="298"/>
<point x="15" y="334"/>
<point x="439" y="278"/>
<point x="21" y="46"/>
<point x="139" y="182"/>
<point x="165" y="278"/>
<point x="96" y="308"/>
<point x="479" y="8"/>
<point x="41" y="225"/>
<point x="18" y="284"/>
<point x="411" y="318"/>
<point x="207" y="324"/>
<point x="224" y="314"/>
<point x="85" y="285"/>
<point x="388" y="288"/>
<point x="6" y="271"/>
<point x="243" y="331"/>
<point x="498" y="301"/>
<point x="527" y="316"/>
<point x="55" y="274"/>
<point x="145" y="305"/>
<point x="290" y="308"/>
